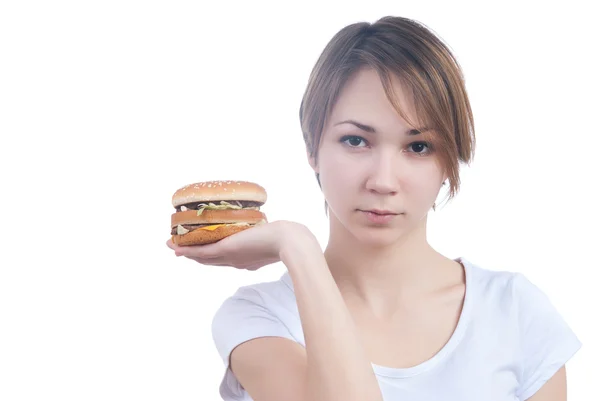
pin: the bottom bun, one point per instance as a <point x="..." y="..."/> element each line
<point x="203" y="237"/>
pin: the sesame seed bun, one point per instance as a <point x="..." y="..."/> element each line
<point x="219" y="190"/>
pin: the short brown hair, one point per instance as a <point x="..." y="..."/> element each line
<point x="406" y="49"/>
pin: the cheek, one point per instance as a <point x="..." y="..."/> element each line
<point x="424" y="186"/>
<point x="333" y="178"/>
<point x="338" y="175"/>
<point x="337" y="169"/>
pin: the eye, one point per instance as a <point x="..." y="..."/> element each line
<point x="353" y="141"/>
<point x="420" y="148"/>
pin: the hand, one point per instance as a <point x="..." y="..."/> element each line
<point x="249" y="249"/>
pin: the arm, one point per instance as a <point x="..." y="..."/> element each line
<point x="334" y="365"/>
<point x="554" y="389"/>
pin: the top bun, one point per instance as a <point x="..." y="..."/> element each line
<point x="211" y="191"/>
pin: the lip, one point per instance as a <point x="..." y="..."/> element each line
<point x="378" y="216"/>
<point x="380" y="212"/>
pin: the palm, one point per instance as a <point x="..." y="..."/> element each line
<point x="250" y="249"/>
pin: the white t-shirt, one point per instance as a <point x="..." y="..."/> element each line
<point x="508" y="342"/>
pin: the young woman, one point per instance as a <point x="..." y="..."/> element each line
<point x="380" y="314"/>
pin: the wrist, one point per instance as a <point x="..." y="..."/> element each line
<point x="297" y="240"/>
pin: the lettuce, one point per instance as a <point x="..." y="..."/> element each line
<point x="222" y="206"/>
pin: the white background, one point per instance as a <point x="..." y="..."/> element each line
<point x="107" y="107"/>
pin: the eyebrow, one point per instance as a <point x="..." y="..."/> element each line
<point x="368" y="128"/>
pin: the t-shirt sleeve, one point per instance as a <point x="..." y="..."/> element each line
<point x="242" y="317"/>
<point x="547" y="341"/>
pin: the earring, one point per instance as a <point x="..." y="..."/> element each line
<point x="443" y="184"/>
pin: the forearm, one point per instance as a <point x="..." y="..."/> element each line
<point x="337" y="365"/>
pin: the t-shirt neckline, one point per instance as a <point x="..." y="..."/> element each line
<point x="450" y="345"/>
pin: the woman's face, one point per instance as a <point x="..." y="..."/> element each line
<point x="378" y="175"/>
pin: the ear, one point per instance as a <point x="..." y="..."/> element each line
<point x="444" y="179"/>
<point x="312" y="162"/>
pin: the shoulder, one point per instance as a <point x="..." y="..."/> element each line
<point x="256" y="310"/>
<point x="484" y="277"/>
<point x="275" y="296"/>
<point x="543" y="340"/>
<point x="509" y="289"/>
<point x="510" y="294"/>
<point x="489" y="288"/>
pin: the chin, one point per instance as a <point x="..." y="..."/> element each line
<point x="377" y="237"/>
<point x="370" y="234"/>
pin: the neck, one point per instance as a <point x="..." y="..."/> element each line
<point x="383" y="277"/>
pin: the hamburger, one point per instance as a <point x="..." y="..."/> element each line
<point x="207" y="212"/>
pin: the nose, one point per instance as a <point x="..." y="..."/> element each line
<point x="382" y="177"/>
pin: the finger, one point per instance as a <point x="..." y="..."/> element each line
<point x="179" y="250"/>
<point x="208" y="262"/>
<point x="210" y="251"/>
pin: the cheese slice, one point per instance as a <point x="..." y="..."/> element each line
<point x="212" y="228"/>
